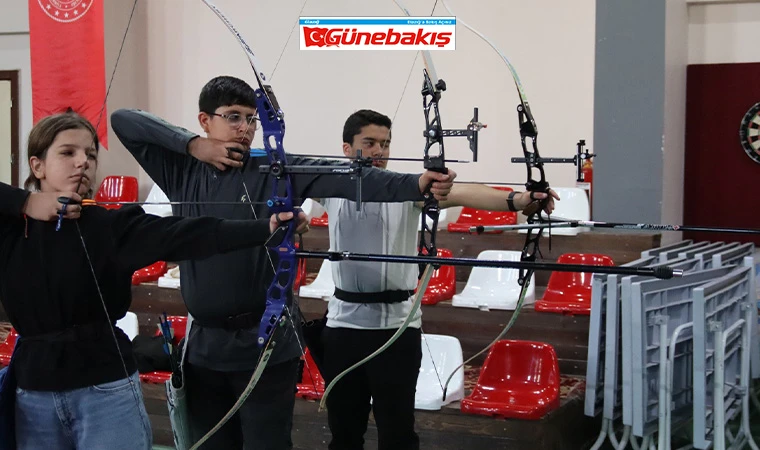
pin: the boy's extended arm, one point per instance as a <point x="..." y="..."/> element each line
<point x="480" y="196"/>
<point x="377" y="185"/>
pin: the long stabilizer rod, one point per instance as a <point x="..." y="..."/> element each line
<point x="663" y="272"/>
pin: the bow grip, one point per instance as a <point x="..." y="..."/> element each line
<point x="536" y="205"/>
<point x="435" y="164"/>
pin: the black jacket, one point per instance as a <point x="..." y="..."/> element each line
<point x="49" y="293"/>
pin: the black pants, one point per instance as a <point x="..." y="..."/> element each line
<point x="390" y="380"/>
<point x="263" y="422"/>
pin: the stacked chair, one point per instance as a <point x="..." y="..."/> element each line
<point x="663" y="354"/>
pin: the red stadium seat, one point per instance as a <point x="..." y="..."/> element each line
<point x="443" y="283"/>
<point x="312" y="385"/>
<point x="471" y="217"/>
<point x="519" y="380"/>
<point x="6" y="348"/>
<point x="117" y="189"/>
<point x="569" y="292"/>
<point x="150" y="273"/>
<point x="319" y="221"/>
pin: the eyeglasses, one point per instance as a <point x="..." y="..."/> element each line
<point x="235" y="120"/>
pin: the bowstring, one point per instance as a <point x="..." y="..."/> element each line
<point x="284" y="47"/>
<point x="108" y="316"/>
<point x="111" y="324"/>
<point x="432" y="359"/>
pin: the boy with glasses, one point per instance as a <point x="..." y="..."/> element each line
<point x="226" y="294"/>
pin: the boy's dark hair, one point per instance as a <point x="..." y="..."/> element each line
<point x="225" y="91"/>
<point x="361" y="119"/>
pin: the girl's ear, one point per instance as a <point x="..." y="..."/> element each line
<point x="38" y="167"/>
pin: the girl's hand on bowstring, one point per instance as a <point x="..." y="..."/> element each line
<point x="45" y="206"/>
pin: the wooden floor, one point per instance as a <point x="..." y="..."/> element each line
<point x="564" y="429"/>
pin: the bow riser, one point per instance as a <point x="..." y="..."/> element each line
<point x="278" y="293"/>
<point x="533" y="164"/>
<point x="433" y="127"/>
<point x="431" y="95"/>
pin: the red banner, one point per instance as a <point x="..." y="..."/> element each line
<point x="68" y="60"/>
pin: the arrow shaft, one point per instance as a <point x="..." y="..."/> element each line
<point x="614" y="225"/>
<point x="94" y="203"/>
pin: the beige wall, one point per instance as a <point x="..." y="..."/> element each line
<point x="15" y="17"/>
<point x="5" y="131"/>
<point x="175" y="46"/>
<point x="171" y="52"/>
<point x="676" y="55"/>
<point x="698" y="32"/>
<point x="724" y="32"/>
<point x="14" y="55"/>
<point x="129" y="88"/>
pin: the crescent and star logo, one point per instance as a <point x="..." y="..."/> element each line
<point x="65" y="10"/>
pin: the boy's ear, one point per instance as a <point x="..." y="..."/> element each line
<point x="203" y="120"/>
<point x="347" y="150"/>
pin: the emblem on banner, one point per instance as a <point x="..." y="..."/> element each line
<point x="65" y="10"/>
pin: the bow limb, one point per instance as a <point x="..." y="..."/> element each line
<point x="426" y="56"/>
<point x="528" y="127"/>
<point x="260" y="77"/>
<point x="415" y="307"/>
<point x="515" y="77"/>
<point x="260" y="366"/>
<point x="273" y="125"/>
<point x="528" y="130"/>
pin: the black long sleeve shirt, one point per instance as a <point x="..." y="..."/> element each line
<point x="235" y="283"/>
<point x="47" y="285"/>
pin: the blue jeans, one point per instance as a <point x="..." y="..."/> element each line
<point x="106" y="416"/>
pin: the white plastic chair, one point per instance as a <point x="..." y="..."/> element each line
<point x="129" y="325"/>
<point x="156" y="195"/>
<point x="442" y="354"/>
<point x="490" y="288"/>
<point x="573" y="205"/>
<point x="312" y="208"/>
<point x="322" y="286"/>
<point x="170" y="279"/>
